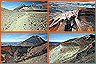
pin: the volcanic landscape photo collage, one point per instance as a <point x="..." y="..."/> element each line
<point x="48" y="32"/>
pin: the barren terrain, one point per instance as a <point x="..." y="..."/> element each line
<point x="16" y="20"/>
<point x="77" y="50"/>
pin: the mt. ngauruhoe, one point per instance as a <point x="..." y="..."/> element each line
<point x="34" y="40"/>
<point x="32" y="50"/>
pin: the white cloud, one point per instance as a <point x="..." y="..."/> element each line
<point x="2" y="1"/>
<point x="43" y="35"/>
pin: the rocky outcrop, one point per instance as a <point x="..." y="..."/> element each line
<point x="33" y="52"/>
<point x="33" y="48"/>
<point x="85" y="56"/>
<point x="78" y="50"/>
<point x="22" y="54"/>
<point x="32" y="7"/>
<point x="81" y="19"/>
<point x="19" y="7"/>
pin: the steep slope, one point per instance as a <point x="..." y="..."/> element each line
<point x="24" y="54"/>
<point x="33" y="48"/>
<point x="85" y="56"/>
<point x="39" y="51"/>
<point x="69" y="50"/>
<point x="38" y="59"/>
<point x="19" y="7"/>
<point x="34" y="40"/>
<point x="81" y="19"/>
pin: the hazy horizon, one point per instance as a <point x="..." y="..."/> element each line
<point x="61" y="37"/>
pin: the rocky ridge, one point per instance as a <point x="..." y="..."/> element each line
<point x="34" y="40"/>
<point x="32" y="7"/>
<point x="78" y="50"/>
<point x="25" y="53"/>
<point x="81" y="19"/>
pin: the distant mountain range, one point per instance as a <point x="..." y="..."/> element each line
<point x="10" y="43"/>
<point x="33" y="6"/>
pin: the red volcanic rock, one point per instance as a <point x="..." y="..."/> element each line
<point x="7" y="49"/>
<point x="81" y="19"/>
<point x="7" y="58"/>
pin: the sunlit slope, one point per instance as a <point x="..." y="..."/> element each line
<point x="68" y="50"/>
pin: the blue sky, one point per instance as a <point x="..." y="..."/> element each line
<point x="13" y="4"/>
<point x="61" y="37"/>
<point x="15" y="37"/>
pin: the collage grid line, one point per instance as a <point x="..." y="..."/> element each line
<point x="48" y="32"/>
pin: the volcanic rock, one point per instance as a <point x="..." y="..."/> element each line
<point x="34" y="40"/>
<point x="77" y="50"/>
<point x="32" y="50"/>
<point x="16" y="19"/>
<point x="81" y="19"/>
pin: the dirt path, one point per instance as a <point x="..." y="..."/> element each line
<point x="20" y="23"/>
<point x="24" y="21"/>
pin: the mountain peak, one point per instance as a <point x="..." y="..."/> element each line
<point x="35" y="36"/>
<point x="31" y="7"/>
<point x="33" y="40"/>
<point x="33" y="4"/>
